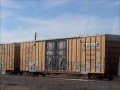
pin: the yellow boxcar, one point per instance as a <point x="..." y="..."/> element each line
<point x="97" y="54"/>
<point x="10" y="57"/>
<point x="86" y="54"/>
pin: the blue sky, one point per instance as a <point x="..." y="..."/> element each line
<point x="20" y="19"/>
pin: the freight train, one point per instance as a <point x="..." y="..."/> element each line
<point x="96" y="56"/>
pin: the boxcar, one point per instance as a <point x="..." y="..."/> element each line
<point x="94" y="55"/>
<point x="91" y="55"/>
<point x="10" y="58"/>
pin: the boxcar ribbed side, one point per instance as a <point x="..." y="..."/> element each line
<point x="86" y="54"/>
<point x="10" y="57"/>
<point x="32" y="56"/>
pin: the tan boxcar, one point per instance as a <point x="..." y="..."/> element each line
<point x="96" y="54"/>
<point x="86" y="54"/>
<point x="10" y="57"/>
<point x="32" y="56"/>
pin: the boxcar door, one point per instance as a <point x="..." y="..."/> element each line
<point x="56" y="55"/>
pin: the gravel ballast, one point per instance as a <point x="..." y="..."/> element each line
<point x="12" y="82"/>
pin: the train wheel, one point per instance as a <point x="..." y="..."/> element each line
<point x="101" y="77"/>
<point x="43" y="75"/>
<point x="96" y="77"/>
<point x="32" y="74"/>
<point x="15" y="72"/>
<point x="110" y="77"/>
<point x="25" y="73"/>
<point x="29" y="74"/>
<point x="21" y="73"/>
<point x="90" y="76"/>
<point x="9" y="72"/>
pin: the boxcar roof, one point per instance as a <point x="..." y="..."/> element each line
<point x="66" y="38"/>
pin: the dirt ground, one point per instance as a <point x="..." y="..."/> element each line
<point x="13" y="87"/>
<point x="12" y="82"/>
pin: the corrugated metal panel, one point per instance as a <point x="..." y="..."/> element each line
<point x="86" y="54"/>
<point x="32" y="56"/>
